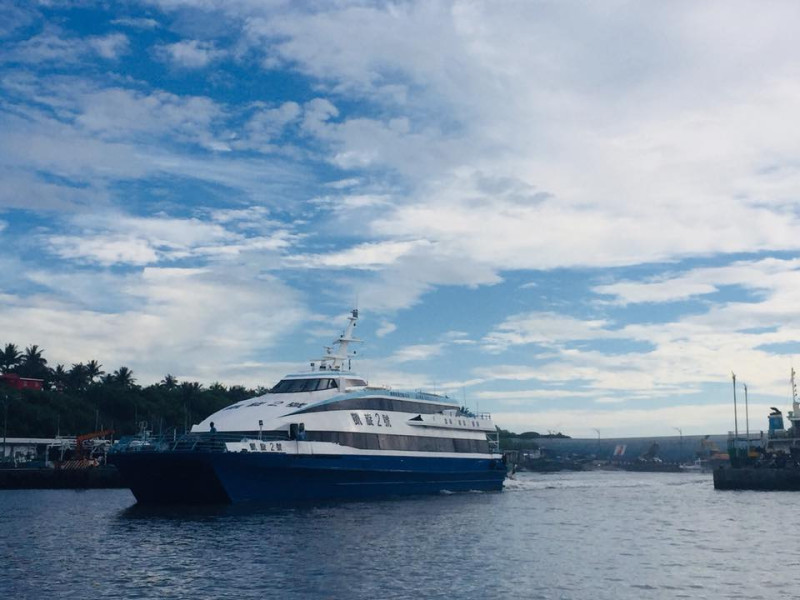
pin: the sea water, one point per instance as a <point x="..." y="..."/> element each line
<point x="590" y="535"/>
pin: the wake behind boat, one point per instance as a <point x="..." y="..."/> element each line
<point x="322" y="434"/>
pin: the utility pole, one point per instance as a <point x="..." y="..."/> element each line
<point x="680" y="451"/>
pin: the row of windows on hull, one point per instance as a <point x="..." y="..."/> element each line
<point x="380" y="403"/>
<point x="409" y="443"/>
<point x="382" y="441"/>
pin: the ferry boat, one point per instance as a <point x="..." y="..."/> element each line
<point x="321" y="434"/>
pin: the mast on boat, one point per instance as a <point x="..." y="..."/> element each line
<point x="746" y="417"/>
<point x="735" y="412"/>
<point x="334" y="359"/>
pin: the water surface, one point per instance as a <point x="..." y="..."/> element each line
<point x="588" y="535"/>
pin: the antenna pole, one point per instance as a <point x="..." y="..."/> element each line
<point x="735" y="415"/>
<point x="746" y="416"/>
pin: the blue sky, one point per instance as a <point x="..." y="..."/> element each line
<point x="573" y="215"/>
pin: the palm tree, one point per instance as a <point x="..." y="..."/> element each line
<point x="190" y="388"/>
<point x="9" y="358"/>
<point x="238" y="392"/>
<point x="170" y="382"/>
<point x="94" y="370"/>
<point x="124" y="377"/>
<point x="78" y="377"/>
<point x="60" y="377"/>
<point x="33" y="363"/>
<point x="216" y="387"/>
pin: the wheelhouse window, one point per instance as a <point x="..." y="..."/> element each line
<point x="290" y="386"/>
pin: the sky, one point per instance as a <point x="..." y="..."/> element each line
<point x="578" y="216"/>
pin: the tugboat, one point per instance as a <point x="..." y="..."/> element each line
<point x="317" y="435"/>
<point x="765" y="463"/>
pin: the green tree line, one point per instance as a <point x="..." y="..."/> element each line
<point x="84" y="398"/>
<point x="525" y="441"/>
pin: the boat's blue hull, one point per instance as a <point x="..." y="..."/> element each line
<point x="214" y="477"/>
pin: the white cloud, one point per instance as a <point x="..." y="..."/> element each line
<point x="267" y="126"/>
<point x="105" y="250"/>
<point x="402" y="283"/>
<point x="762" y="274"/>
<point x="473" y="138"/>
<point x="84" y="109"/>
<point x="316" y="115"/>
<point x="525" y="397"/>
<point x="24" y="190"/>
<point x="136" y="22"/>
<point x="667" y="157"/>
<point x="53" y="45"/>
<point x="682" y="355"/>
<point x="544" y="328"/>
<point x="190" y="54"/>
<point x="90" y="155"/>
<point x="668" y="290"/>
<point x="372" y="255"/>
<point x="110" y="46"/>
<point x="416" y="352"/>
<point x="110" y="238"/>
<point x="245" y="218"/>
<point x="201" y="323"/>
<point x="342" y="184"/>
<point x="459" y="338"/>
<point x="118" y="113"/>
<point x="15" y="16"/>
<point x="385" y="327"/>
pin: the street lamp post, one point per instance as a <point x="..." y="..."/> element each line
<point x="680" y="451"/>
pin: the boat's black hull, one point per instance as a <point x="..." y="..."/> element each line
<point x="762" y="478"/>
<point x="169" y="478"/>
<point x="215" y="477"/>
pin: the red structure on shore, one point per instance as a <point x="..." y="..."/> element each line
<point x="21" y="383"/>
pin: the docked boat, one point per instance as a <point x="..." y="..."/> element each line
<point x="321" y="434"/>
<point x="765" y="462"/>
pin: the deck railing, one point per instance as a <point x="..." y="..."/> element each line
<point x="190" y="442"/>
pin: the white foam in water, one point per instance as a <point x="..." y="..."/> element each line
<point x="518" y="484"/>
<point x="589" y="479"/>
